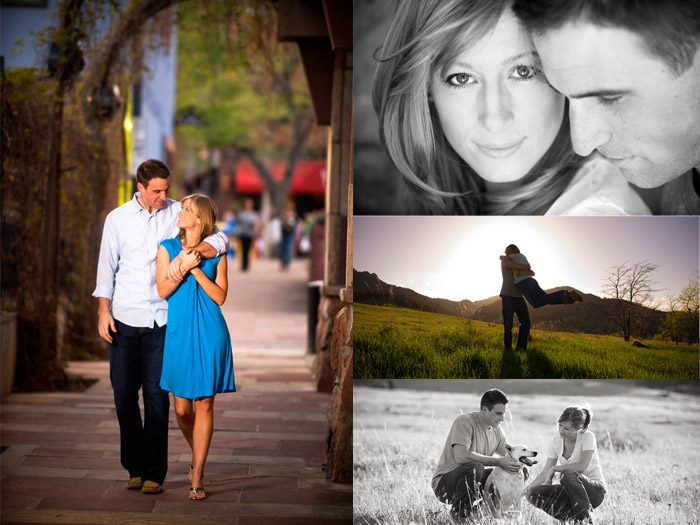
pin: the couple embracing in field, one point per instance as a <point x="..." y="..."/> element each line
<point x="519" y="282"/>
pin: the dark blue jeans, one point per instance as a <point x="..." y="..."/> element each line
<point x="462" y="487"/>
<point x="245" y="251"/>
<point x="574" y="498"/>
<point x="136" y="361"/>
<point x="537" y="297"/>
<point x="287" y="248"/>
<point x="517" y="306"/>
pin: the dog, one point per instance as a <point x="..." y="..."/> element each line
<point x="504" y="490"/>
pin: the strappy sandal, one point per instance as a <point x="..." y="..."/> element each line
<point x="196" y="491"/>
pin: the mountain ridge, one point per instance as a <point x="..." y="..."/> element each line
<point x="590" y="316"/>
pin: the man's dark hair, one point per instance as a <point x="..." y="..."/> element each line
<point x="493" y="397"/>
<point x="151" y="169"/>
<point x="512" y="248"/>
<point x="670" y="29"/>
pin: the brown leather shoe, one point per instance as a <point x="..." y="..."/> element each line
<point x="134" y="483"/>
<point x="151" y="487"/>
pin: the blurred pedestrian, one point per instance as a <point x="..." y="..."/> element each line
<point x="247" y="226"/>
<point x="289" y="229"/>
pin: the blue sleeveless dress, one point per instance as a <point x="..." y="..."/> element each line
<point x="197" y="356"/>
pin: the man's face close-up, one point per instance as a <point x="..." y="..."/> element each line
<point x="625" y="102"/>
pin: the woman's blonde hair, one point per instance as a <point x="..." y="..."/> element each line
<point x="424" y="37"/>
<point x="207" y="212"/>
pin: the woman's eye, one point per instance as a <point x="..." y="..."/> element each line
<point x="524" y="72"/>
<point x="460" y="79"/>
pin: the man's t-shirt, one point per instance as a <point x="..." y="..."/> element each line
<point x="469" y="432"/>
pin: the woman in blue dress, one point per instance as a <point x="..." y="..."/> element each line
<point x="197" y="360"/>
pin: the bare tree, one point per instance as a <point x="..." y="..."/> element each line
<point x="631" y="287"/>
<point x="689" y="299"/>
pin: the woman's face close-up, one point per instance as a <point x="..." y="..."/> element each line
<point x="495" y="107"/>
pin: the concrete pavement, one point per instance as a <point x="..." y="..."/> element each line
<point x="60" y="458"/>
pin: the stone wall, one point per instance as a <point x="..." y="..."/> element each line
<point x="339" y="413"/>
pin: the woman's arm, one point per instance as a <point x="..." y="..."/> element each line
<point x="218" y="289"/>
<point x="542" y="476"/>
<point x="580" y="466"/>
<point x="165" y="285"/>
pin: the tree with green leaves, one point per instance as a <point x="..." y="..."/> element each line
<point x="249" y="88"/>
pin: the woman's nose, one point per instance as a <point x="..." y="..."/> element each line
<point x="496" y="112"/>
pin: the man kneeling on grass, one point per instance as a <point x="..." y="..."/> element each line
<point x="469" y="452"/>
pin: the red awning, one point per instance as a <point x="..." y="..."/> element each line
<point x="309" y="177"/>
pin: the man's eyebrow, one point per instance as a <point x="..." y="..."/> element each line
<point x="601" y="93"/>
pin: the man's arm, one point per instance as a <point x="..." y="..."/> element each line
<point x="106" y="321"/>
<point x="513" y="265"/>
<point x="464" y="455"/>
<point x="216" y="244"/>
<point x="106" y="269"/>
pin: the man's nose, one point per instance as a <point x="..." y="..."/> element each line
<point x="588" y="128"/>
<point x="496" y="111"/>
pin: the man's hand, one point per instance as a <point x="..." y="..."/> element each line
<point x="105" y="323"/>
<point x="509" y="464"/>
<point x="174" y="274"/>
<point x="504" y="257"/>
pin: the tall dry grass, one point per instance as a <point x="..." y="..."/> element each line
<point x="647" y="442"/>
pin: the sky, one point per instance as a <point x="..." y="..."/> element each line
<point x="457" y="257"/>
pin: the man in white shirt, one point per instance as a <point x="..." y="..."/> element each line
<point x="631" y="72"/>
<point x="132" y="319"/>
<point x="468" y="455"/>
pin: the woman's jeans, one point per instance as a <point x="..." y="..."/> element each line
<point x="517" y="306"/>
<point x="574" y="498"/>
<point x="135" y="361"/>
<point x="537" y="297"/>
<point x="462" y="487"/>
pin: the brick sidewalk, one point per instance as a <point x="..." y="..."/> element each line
<point x="61" y="464"/>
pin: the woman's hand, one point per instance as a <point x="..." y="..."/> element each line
<point x="549" y="476"/>
<point x="189" y="260"/>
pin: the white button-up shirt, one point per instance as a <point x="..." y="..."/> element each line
<point x="126" y="270"/>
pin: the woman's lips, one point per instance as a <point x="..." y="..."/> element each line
<point x="499" y="151"/>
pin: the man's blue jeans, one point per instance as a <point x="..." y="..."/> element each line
<point x="537" y="297"/>
<point x="463" y="487"/>
<point x="135" y="361"/>
<point x="517" y="306"/>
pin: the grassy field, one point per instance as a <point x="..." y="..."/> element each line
<point x="647" y="444"/>
<point x="392" y="342"/>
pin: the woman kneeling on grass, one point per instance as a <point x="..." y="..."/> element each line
<point x="197" y="360"/>
<point x="573" y="454"/>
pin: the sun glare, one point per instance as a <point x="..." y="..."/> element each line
<point x="470" y="268"/>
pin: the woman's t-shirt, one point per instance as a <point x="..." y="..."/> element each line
<point x="584" y="441"/>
